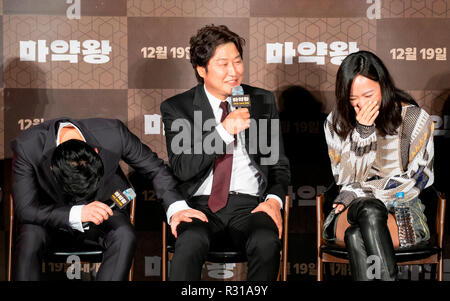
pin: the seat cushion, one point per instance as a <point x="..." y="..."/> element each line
<point x="222" y="256"/>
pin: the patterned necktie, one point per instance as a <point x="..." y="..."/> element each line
<point x="221" y="174"/>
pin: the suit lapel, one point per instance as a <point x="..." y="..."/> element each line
<point x="201" y="103"/>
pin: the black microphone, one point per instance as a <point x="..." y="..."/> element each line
<point x="120" y="199"/>
<point x="238" y="98"/>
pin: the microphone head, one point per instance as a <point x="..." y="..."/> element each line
<point x="238" y="98"/>
<point x="237" y="90"/>
<point x="122" y="198"/>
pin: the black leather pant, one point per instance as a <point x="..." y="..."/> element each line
<point x="368" y="241"/>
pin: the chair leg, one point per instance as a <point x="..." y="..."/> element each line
<point x="130" y="274"/>
<point x="10" y="262"/>
<point x="284" y="270"/>
<point x="440" y="269"/>
<point x="279" y="272"/>
<point x="11" y="232"/>
<point x="319" y="276"/>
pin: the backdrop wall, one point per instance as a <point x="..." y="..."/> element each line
<point x="122" y="58"/>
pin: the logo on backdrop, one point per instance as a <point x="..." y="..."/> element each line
<point x="309" y="52"/>
<point x="94" y="52"/>
<point x="374" y="11"/>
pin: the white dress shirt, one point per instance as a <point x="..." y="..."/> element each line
<point x="245" y="177"/>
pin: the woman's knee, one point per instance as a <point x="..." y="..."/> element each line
<point x="368" y="209"/>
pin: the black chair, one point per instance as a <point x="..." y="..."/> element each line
<point x="86" y="253"/>
<point x="226" y="255"/>
<point x="427" y="253"/>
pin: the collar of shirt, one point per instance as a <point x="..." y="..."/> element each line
<point x="63" y="125"/>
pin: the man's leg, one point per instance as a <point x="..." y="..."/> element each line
<point x="119" y="241"/>
<point x="258" y="235"/>
<point x="263" y="248"/>
<point x="30" y="247"/>
<point x="191" y="248"/>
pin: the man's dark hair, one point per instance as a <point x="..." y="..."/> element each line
<point x="78" y="169"/>
<point x="203" y="45"/>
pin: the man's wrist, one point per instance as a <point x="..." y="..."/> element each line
<point x="75" y="218"/>
<point x="174" y="208"/>
<point x="224" y="134"/>
<point x="276" y="198"/>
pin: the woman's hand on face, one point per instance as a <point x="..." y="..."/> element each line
<point x="368" y="113"/>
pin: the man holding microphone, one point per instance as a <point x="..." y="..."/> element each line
<point x="63" y="171"/>
<point x="234" y="194"/>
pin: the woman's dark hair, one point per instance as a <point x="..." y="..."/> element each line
<point x="203" y="45"/>
<point x="78" y="169"/>
<point x="368" y="65"/>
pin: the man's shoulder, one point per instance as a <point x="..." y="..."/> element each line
<point x="180" y="98"/>
<point x="100" y="123"/>
<point x="36" y="132"/>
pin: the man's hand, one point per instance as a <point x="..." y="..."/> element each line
<point x="273" y="209"/>
<point x="237" y="121"/>
<point x="368" y="113"/>
<point x="95" y="212"/>
<point x="185" y="215"/>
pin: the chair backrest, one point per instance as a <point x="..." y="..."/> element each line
<point x="440" y="219"/>
<point x="284" y="255"/>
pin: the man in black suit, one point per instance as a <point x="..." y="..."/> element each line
<point x="234" y="189"/>
<point x="63" y="172"/>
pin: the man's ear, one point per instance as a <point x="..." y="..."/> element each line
<point x="51" y="167"/>
<point x="201" y="71"/>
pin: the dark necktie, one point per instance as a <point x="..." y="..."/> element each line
<point x="221" y="174"/>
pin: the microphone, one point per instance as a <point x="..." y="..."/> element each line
<point x="120" y="199"/>
<point x="238" y="98"/>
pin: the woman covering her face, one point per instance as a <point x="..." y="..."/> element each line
<point x="380" y="143"/>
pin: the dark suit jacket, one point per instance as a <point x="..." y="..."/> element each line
<point x="192" y="168"/>
<point x="37" y="197"/>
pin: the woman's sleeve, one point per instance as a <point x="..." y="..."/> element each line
<point x="419" y="173"/>
<point x="351" y="158"/>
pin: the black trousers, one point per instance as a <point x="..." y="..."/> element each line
<point x="116" y="235"/>
<point x="254" y="233"/>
